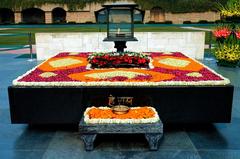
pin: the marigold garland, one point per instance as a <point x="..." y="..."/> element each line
<point x="156" y="76"/>
<point x="191" y="66"/>
<point x="68" y="69"/>
<point x="139" y="113"/>
<point x="78" y="62"/>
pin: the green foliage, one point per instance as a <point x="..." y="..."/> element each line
<point x="187" y="22"/>
<point x="72" y="4"/>
<point x="182" y="6"/>
<point x="232" y="8"/>
<point x="205" y="22"/>
<point x="227" y="50"/>
<point x="174" y="6"/>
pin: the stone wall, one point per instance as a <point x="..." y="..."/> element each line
<point x="179" y="18"/>
<point x="87" y="14"/>
<point x="190" y="43"/>
<point x="157" y="15"/>
<point x="50" y="7"/>
<point x="80" y="17"/>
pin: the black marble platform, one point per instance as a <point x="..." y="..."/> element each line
<point x="153" y="132"/>
<point x="176" y="104"/>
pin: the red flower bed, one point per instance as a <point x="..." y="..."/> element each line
<point x="237" y="33"/>
<point x="222" y="32"/>
<point x="116" y="60"/>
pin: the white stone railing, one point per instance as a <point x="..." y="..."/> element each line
<point x="189" y="43"/>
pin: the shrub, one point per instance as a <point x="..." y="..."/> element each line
<point x="168" y="22"/>
<point x="187" y="22"/>
<point x="21" y="23"/>
<point x="151" y="22"/>
<point x="202" y="22"/>
<point x="176" y="6"/>
<point x="88" y="22"/>
<point x="59" y="21"/>
<point x="72" y="22"/>
<point x="138" y="22"/>
<point x="232" y="8"/>
<point x="227" y="51"/>
<point x="219" y="21"/>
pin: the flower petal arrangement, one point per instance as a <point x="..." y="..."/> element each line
<point x="222" y="32"/>
<point x="136" y="115"/>
<point x="71" y="69"/>
<point x="119" y="60"/>
<point x="227" y="50"/>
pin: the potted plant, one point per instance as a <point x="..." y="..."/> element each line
<point x="227" y="51"/>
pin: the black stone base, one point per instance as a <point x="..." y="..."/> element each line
<point x="175" y="104"/>
<point x="153" y="132"/>
<point x="120" y="45"/>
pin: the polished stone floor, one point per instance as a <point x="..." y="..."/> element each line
<point x="213" y="141"/>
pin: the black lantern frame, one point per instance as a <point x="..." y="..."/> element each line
<point x="120" y="29"/>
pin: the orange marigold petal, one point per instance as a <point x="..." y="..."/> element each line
<point x="138" y="113"/>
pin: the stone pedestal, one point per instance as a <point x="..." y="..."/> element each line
<point x="189" y="43"/>
<point x="120" y="45"/>
<point x="214" y="102"/>
<point x="153" y="132"/>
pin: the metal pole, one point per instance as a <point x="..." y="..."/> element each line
<point x="210" y="41"/>
<point x="132" y="22"/>
<point x="30" y="45"/>
<point x="108" y="10"/>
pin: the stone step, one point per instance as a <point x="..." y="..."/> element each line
<point x="153" y="132"/>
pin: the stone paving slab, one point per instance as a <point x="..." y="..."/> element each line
<point x="214" y="141"/>
<point x="17" y="50"/>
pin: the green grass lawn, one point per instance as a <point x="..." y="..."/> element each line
<point x="14" y="40"/>
<point x="23" y="39"/>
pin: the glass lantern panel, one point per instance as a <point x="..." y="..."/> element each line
<point x="120" y="23"/>
<point x="138" y="17"/>
<point x="102" y="16"/>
